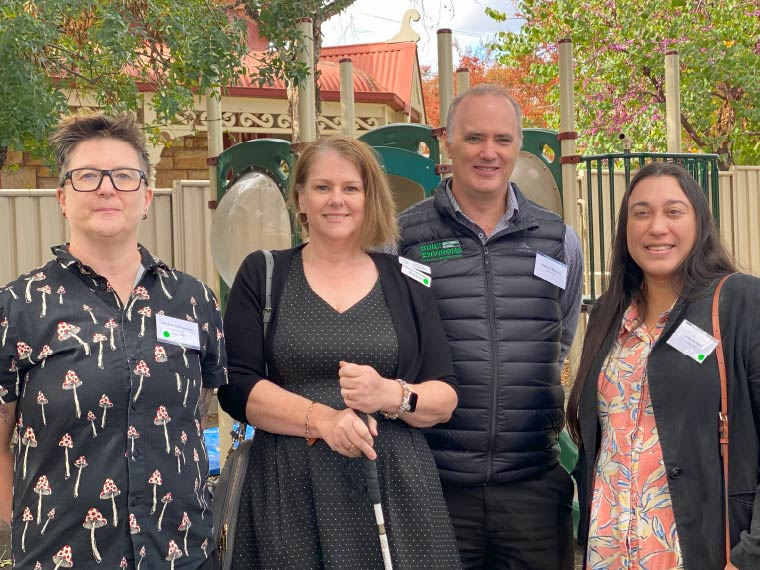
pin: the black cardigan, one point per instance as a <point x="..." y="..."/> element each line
<point x="423" y="349"/>
<point x="686" y="400"/>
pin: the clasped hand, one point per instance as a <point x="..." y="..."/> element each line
<point x="363" y="389"/>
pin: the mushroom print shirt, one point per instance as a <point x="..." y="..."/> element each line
<point x="111" y="463"/>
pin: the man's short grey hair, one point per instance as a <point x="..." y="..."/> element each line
<point x="480" y="91"/>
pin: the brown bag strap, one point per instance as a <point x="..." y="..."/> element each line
<point x="723" y="415"/>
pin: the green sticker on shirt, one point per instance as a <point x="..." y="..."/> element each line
<point x="440" y="250"/>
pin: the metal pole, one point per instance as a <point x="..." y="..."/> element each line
<point x="463" y="80"/>
<point x="215" y="148"/>
<point x="307" y="114"/>
<point x="445" y="81"/>
<point x="673" y="101"/>
<point x="347" y="110"/>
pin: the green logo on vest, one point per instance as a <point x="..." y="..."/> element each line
<point x="440" y="250"/>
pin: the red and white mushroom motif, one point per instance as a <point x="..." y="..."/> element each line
<point x="111" y="325"/>
<point x="162" y="418"/>
<point x="44" y="353"/>
<point x="144" y="312"/>
<point x="193" y="302"/>
<point x="80" y="464"/>
<point x="39" y="276"/>
<point x="139" y="293"/>
<point x="61" y="291"/>
<point x="72" y="382"/>
<point x="174" y="553"/>
<point x="104" y="403"/>
<point x="99" y="339"/>
<point x="204" y="546"/>
<point x="66" y="443"/>
<point x="63" y="558"/>
<point x="134" y="528"/>
<point x="38" y="565"/>
<point x="41" y="488"/>
<point x="3" y="394"/>
<point x="67" y="331"/>
<point x="178" y="455"/>
<point x="123" y="563"/>
<point x="160" y="353"/>
<point x="91" y="417"/>
<point x="141" y="370"/>
<point x="29" y="440"/>
<point x="197" y="460"/>
<point x="133" y="434"/>
<point x="183" y="439"/>
<point x="50" y="517"/>
<point x="166" y="499"/>
<point x="14" y="368"/>
<point x="24" y="351"/>
<point x="26" y="517"/>
<point x="155" y="480"/>
<point x="88" y="309"/>
<point x="94" y="519"/>
<point x="45" y="290"/>
<point x="142" y="556"/>
<point x="109" y="491"/>
<point x="42" y="400"/>
<point x="185" y="526"/>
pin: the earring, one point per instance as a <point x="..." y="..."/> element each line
<point x="145" y="215"/>
<point x="302" y="217"/>
<point x="63" y="212"/>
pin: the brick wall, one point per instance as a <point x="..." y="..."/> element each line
<point x="181" y="159"/>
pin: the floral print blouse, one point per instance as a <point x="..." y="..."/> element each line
<point x="110" y="461"/>
<point x="632" y="521"/>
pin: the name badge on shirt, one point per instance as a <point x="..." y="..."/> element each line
<point x="692" y="341"/>
<point x="178" y="332"/>
<point x="414" y="265"/>
<point x="418" y="276"/>
<point x="551" y="270"/>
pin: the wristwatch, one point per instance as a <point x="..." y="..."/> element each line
<point x="412" y="401"/>
<point x="408" y="402"/>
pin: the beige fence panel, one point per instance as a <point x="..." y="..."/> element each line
<point x="31" y="223"/>
<point x="192" y="230"/>
<point x="741" y="216"/>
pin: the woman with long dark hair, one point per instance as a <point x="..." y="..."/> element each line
<point x="644" y="408"/>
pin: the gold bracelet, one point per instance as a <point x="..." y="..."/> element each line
<point x="309" y="440"/>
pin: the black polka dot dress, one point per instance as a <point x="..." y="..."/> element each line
<point x="308" y="507"/>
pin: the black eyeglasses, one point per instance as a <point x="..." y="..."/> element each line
<point x="90" y="179"/>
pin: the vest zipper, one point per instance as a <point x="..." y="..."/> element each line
<point x="494" y="359"/>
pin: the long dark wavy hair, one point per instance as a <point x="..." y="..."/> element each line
<point x="707" y="261"/>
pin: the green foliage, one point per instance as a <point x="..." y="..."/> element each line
<point x="620" y="70"/>
<point x="104" y="48"/>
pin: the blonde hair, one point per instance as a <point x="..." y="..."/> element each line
<point x="379" y="226"/>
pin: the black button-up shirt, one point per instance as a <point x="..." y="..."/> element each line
<point x="111" y="463"/>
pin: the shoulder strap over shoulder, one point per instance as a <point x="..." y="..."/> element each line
<point x="723" y="414"/>
<point x="268" y="299"/>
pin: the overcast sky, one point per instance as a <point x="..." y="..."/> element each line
<point x="368" y="21"/>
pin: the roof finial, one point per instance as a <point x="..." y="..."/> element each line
<point x="406" y="33"/>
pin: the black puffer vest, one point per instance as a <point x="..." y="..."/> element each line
<point x="504" y="327"/>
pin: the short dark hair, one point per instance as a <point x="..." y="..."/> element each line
<point x="707" y="261"/>
<point x="379" y="226"/>
<point x="75" y="129"/>
<point x="481" y="91"/>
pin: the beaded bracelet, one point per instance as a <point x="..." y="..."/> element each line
<point x="309" y="440"/>
<point x="404" y="407"/>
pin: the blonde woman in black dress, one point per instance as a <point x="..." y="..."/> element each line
<point x="349" y="333"/>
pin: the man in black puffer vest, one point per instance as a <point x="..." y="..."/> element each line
<point x="507" y="276"/>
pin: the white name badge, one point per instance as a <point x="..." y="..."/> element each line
<point x="692" y="341"/>
<point x="178" y="332"/>
<point x="418" y="276"/>
<point x="414" y="265"/>
<point x="551" y="270"/>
